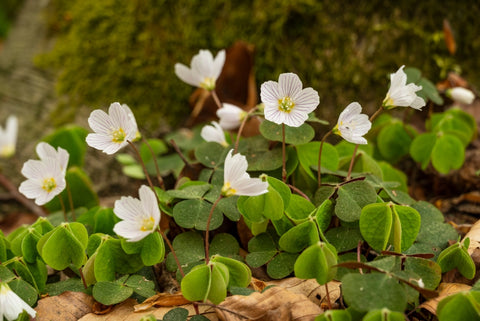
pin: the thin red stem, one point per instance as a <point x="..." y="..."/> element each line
<point x="240" y="130"/>
<point x="70" y="201"/>
<point x="143" y="165"/>
<point x="170" y="246"/>
<point x="284" y="169"/>
<point x="319" y="173"/>
<point x="159" y="177"/>
<point x="352" y="161"/>
<point x="215" y="98"/>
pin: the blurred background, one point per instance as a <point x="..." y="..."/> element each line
<point x="59" y="59"/>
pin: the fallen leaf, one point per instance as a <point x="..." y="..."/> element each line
<point x="66" y="306"/>
<point x="446" y="289"/>
<point x="474" y="235"/>
<point x="275" y="303"/>
<point x="126" y="312"/>
<point x="311" y="289"/>
<point x="162" y="300"/>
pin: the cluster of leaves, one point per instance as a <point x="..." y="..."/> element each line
<point x="359" y="227"/>
<point x="129" y="47"/>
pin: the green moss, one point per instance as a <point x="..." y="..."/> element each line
<point x="114" y="50"/>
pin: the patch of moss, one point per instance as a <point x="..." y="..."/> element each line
<point x="114" y="50"/>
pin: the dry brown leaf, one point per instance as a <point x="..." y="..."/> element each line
<point x="449" y="38"/>
<point x="446" y="289"/>
<point x="276" y="303"/>
<point x="162" y="300"/>
<point x="311" y="289"/>
<point x="66" y="306"/>
<point x="474" y="235"/>
<point x="125" y="312"/>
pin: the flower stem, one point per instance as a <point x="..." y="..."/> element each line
<point x="179" y="152"/>
<point x="172" y="250"/>
<point x="284" y="170"/>
<point x="70" y="202"/>
<point x="215" y="98"/>
<point x="62" y="204"/>
<point x="207" y="254"/>
<point x="143" y="165"/>
<point x="299" y="192"/>
<point x="349" y="174"/>
<point x="240" y="130"/>
<point x="159" y="177"/>
<point x="83" y="278"/>
<point x="319" y="173"/>
<point x="379" y="110"/>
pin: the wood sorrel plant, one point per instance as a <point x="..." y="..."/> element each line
<point x="315" y="210"/>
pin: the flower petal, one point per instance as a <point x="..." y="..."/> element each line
<point x="289" y="84"/>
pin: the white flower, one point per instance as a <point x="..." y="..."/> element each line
<point x="11" y="305"/>
<point x="461" y="95"/>
<point x="402" y="95"/>
<point x="204" y="69"/>
<point x="286" y="102"/>
<point x="230" y="116"/>
<point x="112" y="130"/>
<point x="45" y="180"/>
<point x="236" y="179"/>
<point x="214" y="133"/>
<point x="8" y="137"/>
<point x="140" y="216"/>
<point x="45" y="150"/>
<point x="352" y="124"/>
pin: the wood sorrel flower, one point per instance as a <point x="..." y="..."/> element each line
<point x="112" y="130"/>
<point x="236" y="179"/>
<point x="11" y="305"/>
<point x="8" y="137"/>
<point x="286" y="102"/>
<point x="352" y="124"/>
<point x="402" y="95"/>
<point x="45" y="180"/>
<point x="461" y="95"/>
<point x="214" y="133"/>
<point x="230" y="116"/>
<point x="204" y="69"/>
<point x="140" y="216"/>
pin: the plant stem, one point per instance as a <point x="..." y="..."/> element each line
<point x="170" y="246"/>
<point x="179" y="152"/>
<point x="240" y="130"/>
<point x="62" y="204"/>
<point x="379" y="110"/>
<point x="70" y="202"/>
<point x="358" y="255"/>
<point x="207" y="259"/>
<point x="351" y="163"/>
<point x="215" y="98"/>
<point x="143" y="165"/>
<point x="299" y="192"/>
<point x="328" y="297"/>
<point x="319" y="173"/>
<point x="12" y="189"/>
<point x="159" y="177"/>
<point x="284" y="170"/>
<point x="83" y="278"/>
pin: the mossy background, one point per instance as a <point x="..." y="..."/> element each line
<point x="113" y="50"/>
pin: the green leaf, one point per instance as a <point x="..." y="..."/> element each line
<point x="109" y="293"/>
<point x="210" y="154"/>
<point x="422" y="147"/>
<point x="239" y="274"/>
<point x="194" y="214"/>
<point x="451" y="146"/>
<point x="24" y="290"/>
<point x="308" y="157"/>
<point x="299" y="237"/>
<point x="299" y="208"/>
<point x="206" y="282"/>
<point x="5" y="274"/>
<point x="64" y="245"/>
<point x="384" y="315"/>
<point x="293" y="135"/>
<point x="430" y="91"/>
<point x="352" y="197"/>
<point x="157" y="146"/>
<point x="71" y="284"/>
<point x="409" y="220"/>
<point x="394" y="141"/>
<point x="376" y="222"/>
<point x="257" y="208"/>
<point x="190" y="190"/>
<point x="365" y="292"/>
<point x="334" y="315"/>
<point x="344" y="238"/>
<point x="260" y="156"/>
<point x="261" y="249"/>
<point x="324" y="214"/>
<point x="228" y="206"/>
<point x="459" y="307"/>
<point x="456" y="256"/>
<point x="153" y="249"/>
<point x="317" y="262"/>
<point x="141" y="285"/>
<point x="177" y="314"/>
<point x="133" y="171"/>
<point x="281" y="265"/>
<point x="281" y="188"/>
<point x="224" y="244"/>
<point x="99" y="220"/>
<point x="189" y="247"/>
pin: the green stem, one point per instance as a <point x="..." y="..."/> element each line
<point x="207" y="254"/>
<point x="159" y="177"/>
<point x="319" y="173"/>
<point x="284" y="170"/>
<point x="242" y="125"/>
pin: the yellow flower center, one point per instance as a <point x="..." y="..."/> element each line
<point x="227" y="190"/>
<point x="147" y="224"/>
<point x="388" y="102"/>
<point x="49" y="184"/>
<point x="118" y="136"/>
<point x="286" y="104"/>
<point x="7" y="151"/>
<point x="208" y="83"/>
